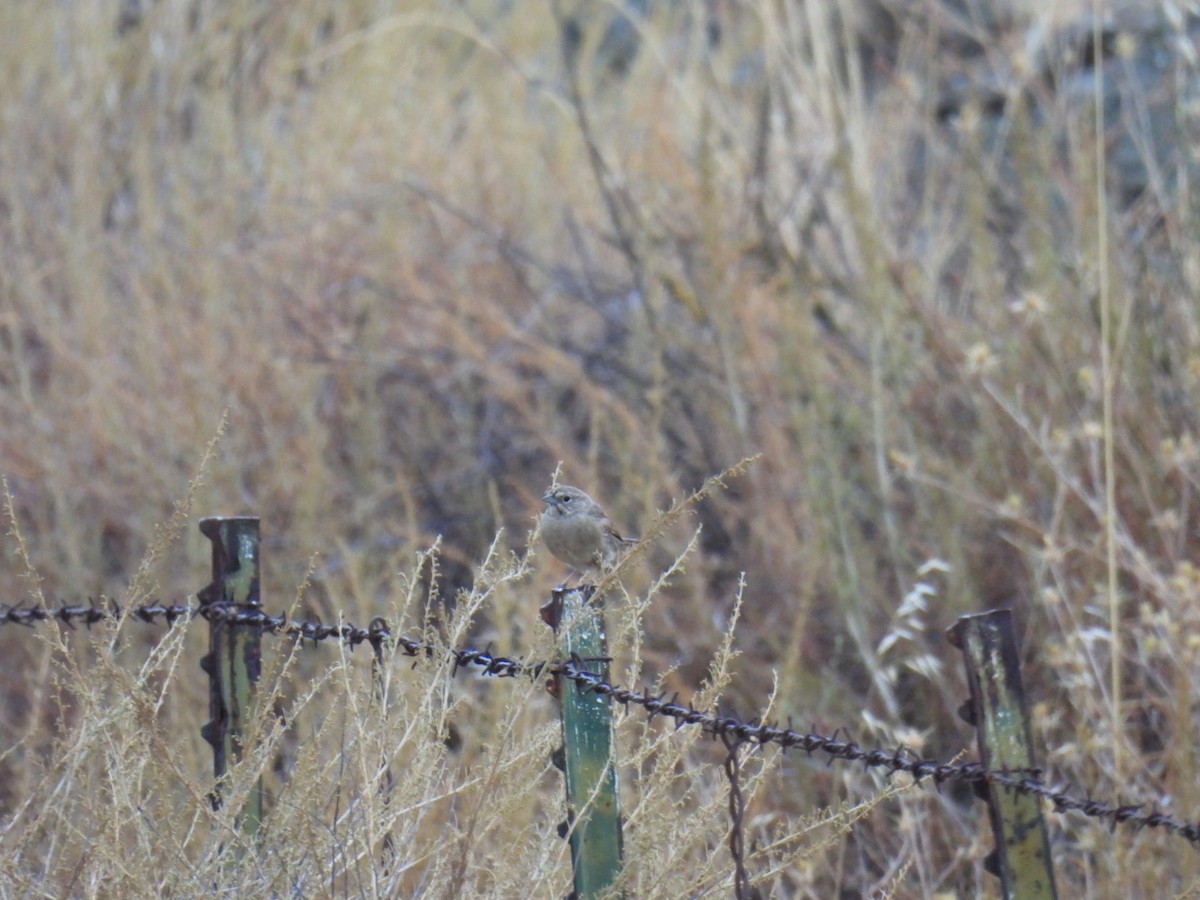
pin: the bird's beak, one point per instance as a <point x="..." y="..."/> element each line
<point x="548" y="497"/>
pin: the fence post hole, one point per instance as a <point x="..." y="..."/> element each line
<point x="588" y="757"/>
<point x="234" y="660"/>
<point x="997" y="709"/>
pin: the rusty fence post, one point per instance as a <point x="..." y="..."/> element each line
<point x="588" y="755"/>
<point x="234" y="660"/>
<point x="997" y="710"/>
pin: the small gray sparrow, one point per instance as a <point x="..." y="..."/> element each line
<point x="577" y="531"/>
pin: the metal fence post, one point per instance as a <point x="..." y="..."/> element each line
<point x="997" y="710"/>
<point x="588" y="757"/>
<point x="234" y="660"/>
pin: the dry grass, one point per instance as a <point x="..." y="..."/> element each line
<point x="411" y="260"/>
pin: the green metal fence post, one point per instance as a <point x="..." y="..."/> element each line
<point x="997" y="709"/>
<point x="588" y="758"/>
<point x="234" y="660"/>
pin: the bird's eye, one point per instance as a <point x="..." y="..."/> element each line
<point x="565" y="498"/>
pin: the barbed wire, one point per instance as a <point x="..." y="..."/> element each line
<point x="375" y="634"/>
<point x="902" y="759"/>
<point x="94" y="613"/>
<point x="730" y="729"/>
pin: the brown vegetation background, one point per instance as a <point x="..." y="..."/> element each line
<point x="414" y="256"/>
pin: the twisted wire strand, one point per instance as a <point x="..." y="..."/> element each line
<point x="731" y="729"/>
